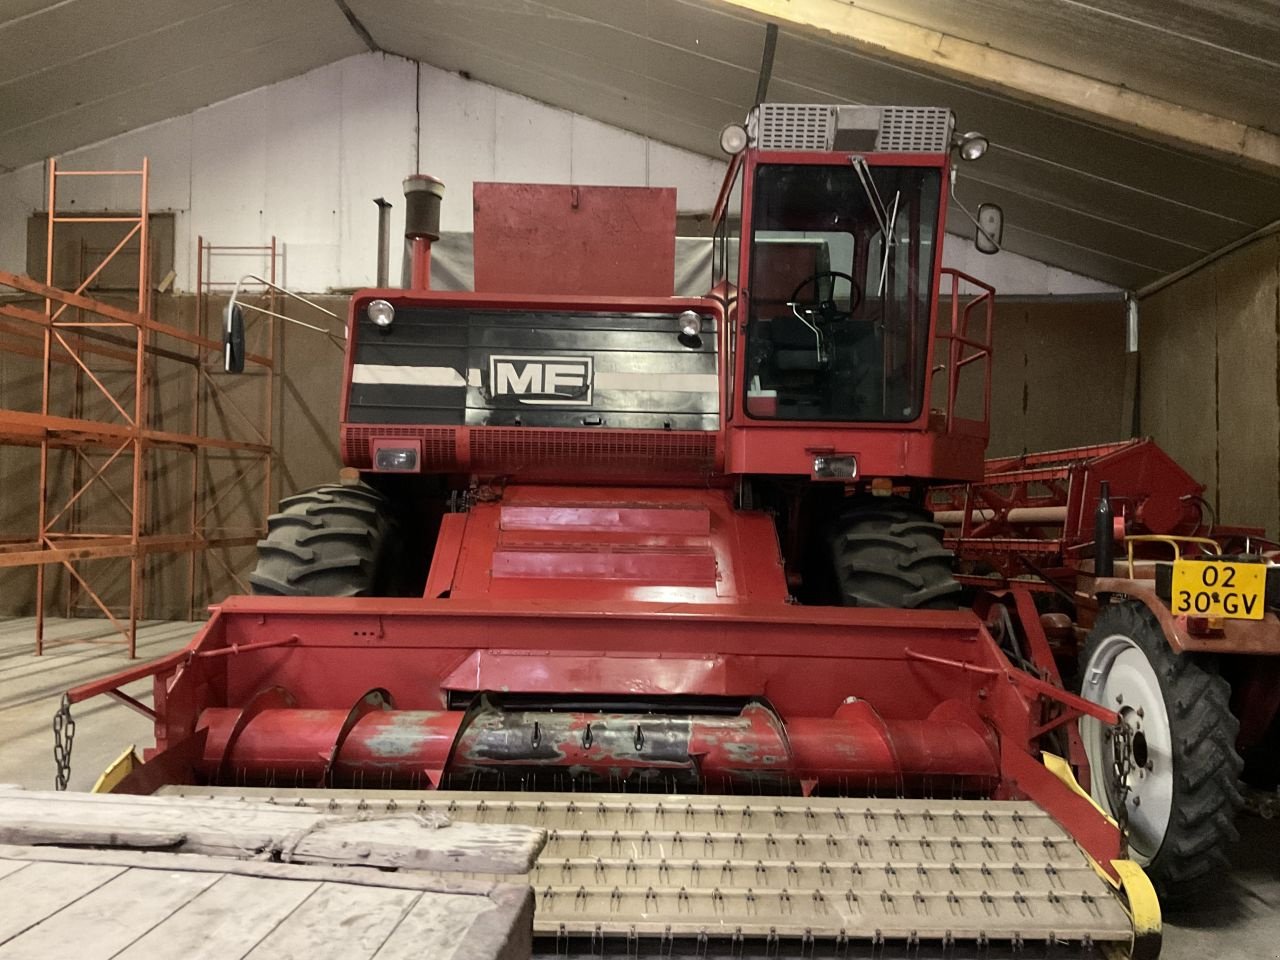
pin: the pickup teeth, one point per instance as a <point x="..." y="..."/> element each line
<point x="955" y="875"/>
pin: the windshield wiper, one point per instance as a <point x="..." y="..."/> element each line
<point x="868" y="182"/>
<point x="886" y="217"/>
<point x="889" y="242"/>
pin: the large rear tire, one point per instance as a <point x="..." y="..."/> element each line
<point x="888" y="552"/>
<point x="332" y="540"/>
<point x="1181" y="794"/>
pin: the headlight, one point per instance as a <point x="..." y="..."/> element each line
<point x="972" y="145"/>
<point x="835" y="468"/>
<point x="690" y="324"/>
<point x="733" y="139"/>
<point x="381" y="312"/>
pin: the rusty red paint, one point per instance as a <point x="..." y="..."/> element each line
<point x="914" y="717"/>
<point x="555" y="238"/>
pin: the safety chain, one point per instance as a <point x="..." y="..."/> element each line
<point x="64" y="732"/>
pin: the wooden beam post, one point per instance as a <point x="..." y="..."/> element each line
<point x="1031" y="81"/>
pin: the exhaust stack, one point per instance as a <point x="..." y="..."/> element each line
<point x="384" y="240"/>
<point x="422" y="196"/>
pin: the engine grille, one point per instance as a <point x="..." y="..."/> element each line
<point x="438" y="450"/>
<point x="543" y="451"/>
<point x="517" y="450"/>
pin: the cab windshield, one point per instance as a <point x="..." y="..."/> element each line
<point x="840" y="283"/>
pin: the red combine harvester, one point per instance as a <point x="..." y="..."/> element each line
<point x="1151" y="608"/>
<point x="657" y="574"/>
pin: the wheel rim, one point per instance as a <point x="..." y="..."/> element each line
<point x="1119" y="677"/>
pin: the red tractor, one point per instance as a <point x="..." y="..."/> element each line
<point x="657" y="574"/>
<point x="1154" y="608"/>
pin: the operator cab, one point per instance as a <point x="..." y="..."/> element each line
<point x="827" y="258"/>
<point x="838" y="315"/>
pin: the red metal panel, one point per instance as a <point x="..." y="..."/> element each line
<point x="845" y="695"/>
<point x="674" y="566"/>
<point x="554" y="238"/>
<point x="444" y="561"/>
<point x="784" y="448"/>
<point x="626" y="543"/>
<point x="662" y="519"/>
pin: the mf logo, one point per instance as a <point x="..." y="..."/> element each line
<point x="552" y="381"/>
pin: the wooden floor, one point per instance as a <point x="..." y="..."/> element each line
<point x="87" y="904"/>
<point x="92" y="877"/>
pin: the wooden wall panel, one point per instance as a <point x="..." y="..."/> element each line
<point x="1058" y="379"/>
<point x="1179" y="397"/>
<point x="1210" y="384"/>
<point x="1248" y="417"/>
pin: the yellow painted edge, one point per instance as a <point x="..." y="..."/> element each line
<point x="1143" y="905"/>
<point x="117" y="770"/>
<point x="1062" y="770"/>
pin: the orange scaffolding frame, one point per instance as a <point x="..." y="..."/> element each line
<point x="73" y="329"/>
<point x="207" y="286"/>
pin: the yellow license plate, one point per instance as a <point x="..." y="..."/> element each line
<point x="1205" y="588"/>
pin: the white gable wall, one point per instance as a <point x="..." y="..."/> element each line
<point x="302" y="160"/>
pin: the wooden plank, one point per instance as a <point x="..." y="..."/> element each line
<point x="356" y="912"/>
<point x="226" y="920"/>
<point x="345" y="922"/>
<point x="237" y="829"/>
<point x="362" y="876"/>
<point x="406" y="843"/>
<point x="10" y="866"/>
<point x="100" y="924"/>
<point x="441" y="921"/>
<point x="1178" y="357"/>
<point x="502" y="932"/>
<point x="1248" y="411"/>
<point x="1024" y="79"/>
<point x="29" y="896"/>
<point x="1129" y="397"/>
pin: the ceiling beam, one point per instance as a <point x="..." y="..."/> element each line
<point x="1021" y="78"/>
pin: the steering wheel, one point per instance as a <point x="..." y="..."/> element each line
<point x="827" y="309"/>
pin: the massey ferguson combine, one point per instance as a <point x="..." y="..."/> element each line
<point x="656" y="574"/>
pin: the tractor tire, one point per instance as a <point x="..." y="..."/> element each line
<point x="888" y="552"/>
<point x="328" y="541"/>
<point x="1182" y="793"/>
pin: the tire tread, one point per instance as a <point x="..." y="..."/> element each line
<point x="1207" y="767"/>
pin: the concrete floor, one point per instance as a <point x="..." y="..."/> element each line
<point x="1239" y="921"/>
<point x="31" y="688"/>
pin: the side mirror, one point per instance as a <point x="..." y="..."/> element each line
<point x="233" y="339"/>
<point x="989" y="231"/>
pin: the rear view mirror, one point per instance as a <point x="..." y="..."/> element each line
<point x="233" y="339"/>
<point x="989" y="230"/>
